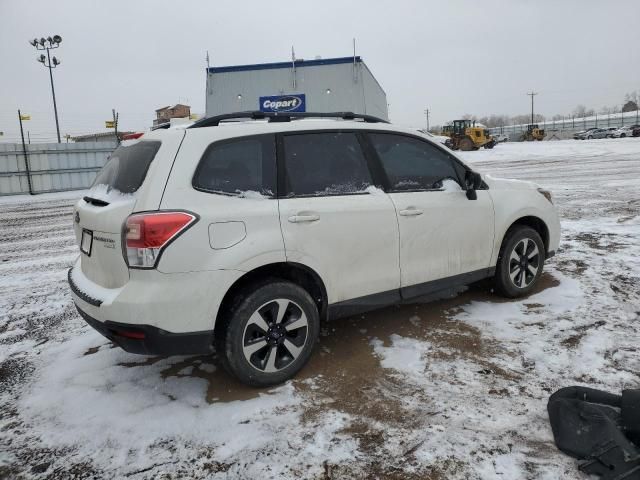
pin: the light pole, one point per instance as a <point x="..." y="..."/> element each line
<point x="49" y="44"/>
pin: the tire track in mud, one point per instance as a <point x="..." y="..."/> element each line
<point x="36" y="249"/>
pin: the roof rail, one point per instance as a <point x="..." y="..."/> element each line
<point x="283" y="117"/>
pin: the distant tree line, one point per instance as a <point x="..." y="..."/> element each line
<point x="630" y="105"/>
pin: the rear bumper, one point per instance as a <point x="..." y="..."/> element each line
<point x="176" y="303"/>
<point x="150" y="340"/>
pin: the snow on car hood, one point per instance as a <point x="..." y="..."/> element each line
<point x="509" y="183"/>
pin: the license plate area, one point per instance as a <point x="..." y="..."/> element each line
<point x="87" y="242"/>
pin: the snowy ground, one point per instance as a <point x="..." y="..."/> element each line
<point x="454" y="389"/>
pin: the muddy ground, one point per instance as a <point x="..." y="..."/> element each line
<point x="454" y="388"/>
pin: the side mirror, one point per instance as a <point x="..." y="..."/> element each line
<point x="473" y="181"/>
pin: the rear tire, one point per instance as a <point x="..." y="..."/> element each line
<point x="520" y="262"/>
<point x="270" y="334"/>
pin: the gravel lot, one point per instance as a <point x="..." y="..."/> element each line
<point x="452" y="389"/>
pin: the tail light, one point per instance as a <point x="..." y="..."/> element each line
<point x="148" y="234"/>
<point x="132" y="136"/>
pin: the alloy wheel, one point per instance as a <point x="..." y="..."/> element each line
<point x="275" y="335"/>
<point x="524" y="263"/>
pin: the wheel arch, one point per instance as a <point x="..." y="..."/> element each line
<point x="534" y="222"/>
<point x="297" y="273"/>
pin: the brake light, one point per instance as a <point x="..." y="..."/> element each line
<point x="148" y="234"/>
<point x="132" y="136"/>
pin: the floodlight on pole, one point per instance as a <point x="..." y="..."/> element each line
<point x="49" y="44"/>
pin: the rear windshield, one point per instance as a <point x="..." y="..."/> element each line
<point x="127" y="166"/>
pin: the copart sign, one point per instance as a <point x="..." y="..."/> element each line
<point x="283" y="103"/>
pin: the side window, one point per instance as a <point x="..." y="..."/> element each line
<point x="412" y="164"/>
<point x="238" y="167"/>
<point x="330" y="163"/>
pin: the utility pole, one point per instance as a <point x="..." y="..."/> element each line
<point x="115" y="124"/>
<point x="49" y="44"/>
<point x="532" y="94"/>
<point x="426" y="112"/>
<point x="24" y="151"/>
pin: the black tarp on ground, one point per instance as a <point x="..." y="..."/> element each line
<point x="599" y="428"/>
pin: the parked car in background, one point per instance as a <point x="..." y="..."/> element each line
<point x="500" y="137"/>
<point x="241" y="238"/>
<point x="610" y="131"/>
<point x="623" y="132"/>
<point x="593" y="133"/>
<point x="581" y="135"/>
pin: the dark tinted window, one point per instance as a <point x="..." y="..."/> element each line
<point x="127" y="166"/>
<point x="412" y="164"/>
<point x="325" y="164"/>
<point x="238" y="166"/>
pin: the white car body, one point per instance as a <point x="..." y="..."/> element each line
<point x="366" y="249"/>
<point x="623" y="132"/>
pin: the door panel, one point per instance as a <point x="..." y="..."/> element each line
<point x="442" y="232"/>
<point x="452" y="234"/>
<point x="332" y="218"/>
<point x="352" y="242"/>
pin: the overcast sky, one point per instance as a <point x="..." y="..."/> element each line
<point x="456" y="57"/>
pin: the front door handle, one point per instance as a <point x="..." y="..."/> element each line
<point x="411" y="212"/>
<point x="304" y="218"/>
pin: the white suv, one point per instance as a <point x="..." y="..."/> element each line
<point x="242" y="236"/>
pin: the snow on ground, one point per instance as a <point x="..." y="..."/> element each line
<point x="453" y="389"/>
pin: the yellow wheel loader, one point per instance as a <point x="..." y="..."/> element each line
<point x="465" y="136"/>
<point x="533" y="133"/>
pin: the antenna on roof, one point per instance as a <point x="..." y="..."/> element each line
<point x="208" y="60"/>
<point x="355" y="72"/>
<point x="293" y="68"/>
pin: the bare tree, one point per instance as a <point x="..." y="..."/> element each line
<point x="580" y="111"/>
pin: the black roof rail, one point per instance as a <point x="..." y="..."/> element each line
<point x="283" y="117"/>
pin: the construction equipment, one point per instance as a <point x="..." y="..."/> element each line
<point x="533" y="133"/>
<point x="464" y="135"/>
<point x="446" y="130"/>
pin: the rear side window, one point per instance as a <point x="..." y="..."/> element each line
<point x="238" y="167"/>
<point x="330" y="163"/>
<point x="412" y="164"/>
<point x="127" y="166"/>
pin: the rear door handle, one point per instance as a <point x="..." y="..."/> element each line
<point x="411" y="212"/>
<point x="304" y="218"/>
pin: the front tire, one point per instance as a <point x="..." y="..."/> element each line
<point x="520" y="262"/>
<point x="270" y="334"/>
<point x="466" y="144"/>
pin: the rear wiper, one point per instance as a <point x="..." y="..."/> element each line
<point x="95" y="201"/>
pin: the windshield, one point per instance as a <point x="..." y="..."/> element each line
<point x="127" y="167"/>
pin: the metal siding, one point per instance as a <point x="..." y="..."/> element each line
<point x="53" y="166"/>
<point x="375" y="98"/>
<point x="224" y="87"/>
